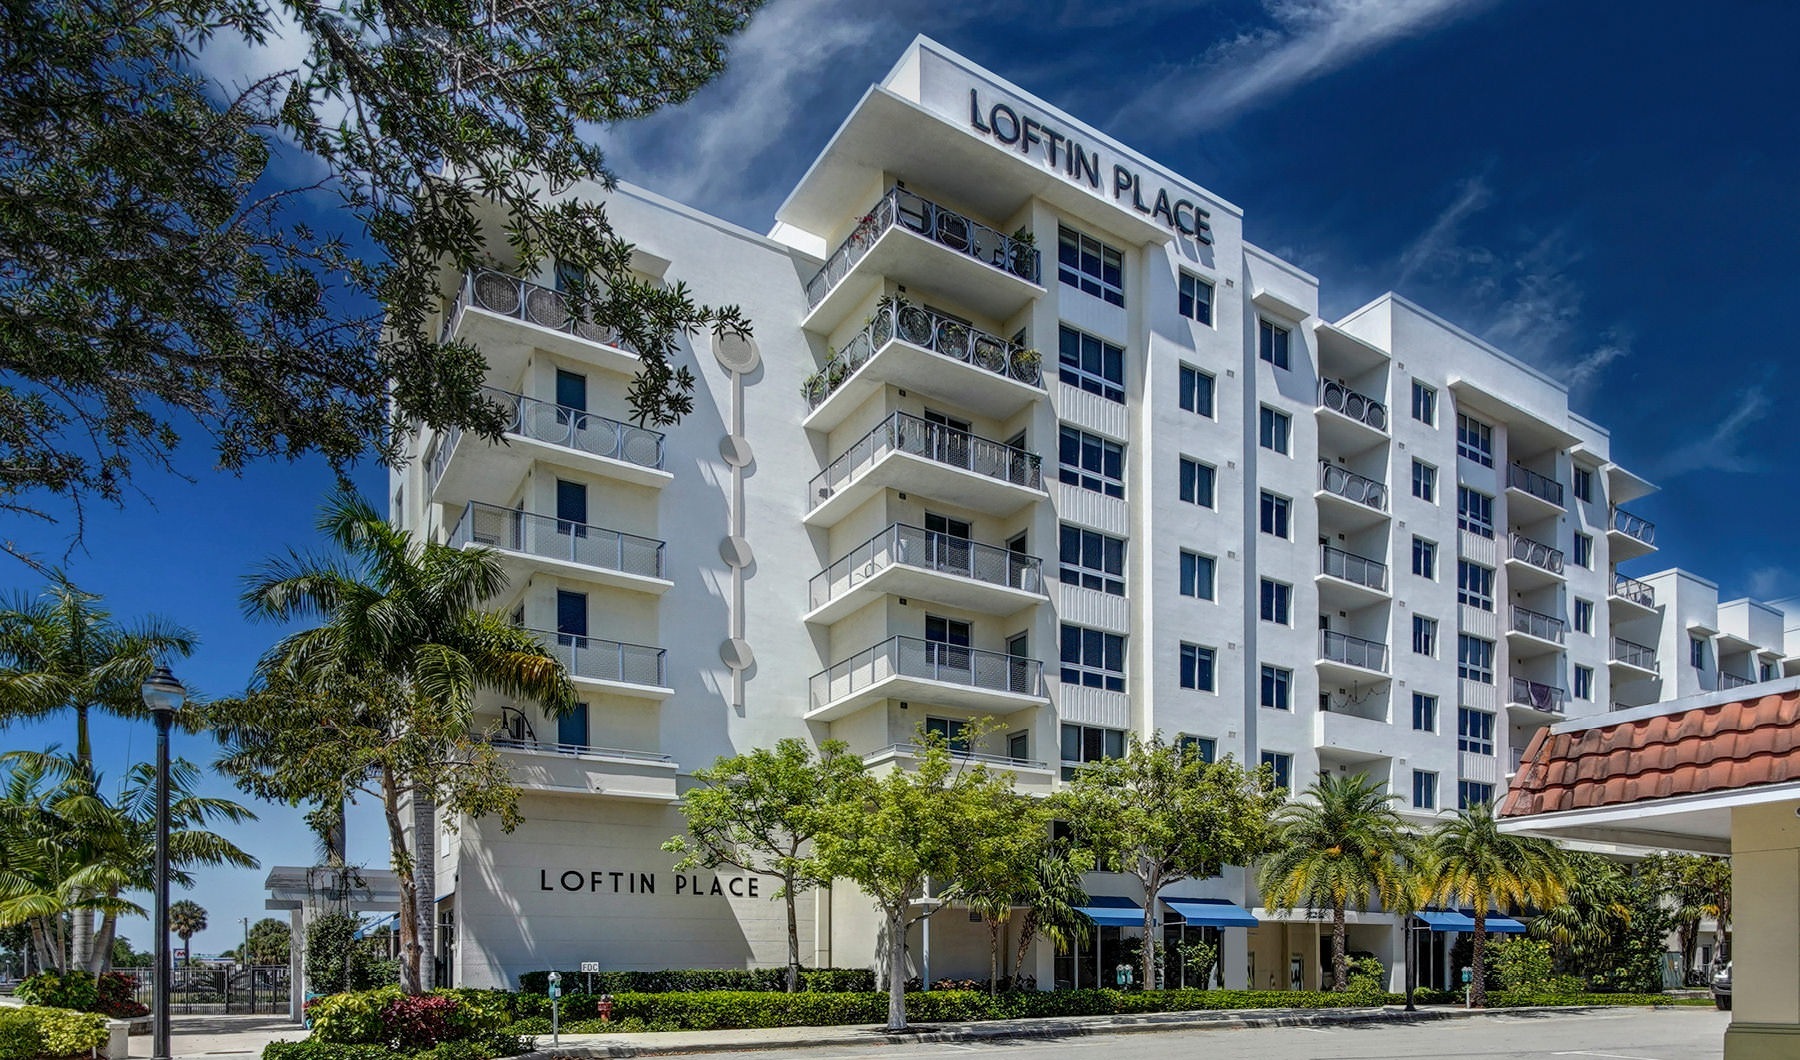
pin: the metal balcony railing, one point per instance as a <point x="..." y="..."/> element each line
<point x="1633" y="654"/>
<point x="1351" y="486"/>
<point x="1733" y="680"/>
<point x="913" y="750"/>
<point x="1351" y="567"/>
<point x="921" y="327"/>
<point x="1635" y="527"/>
<point x="1543" y="487"/>
<point x="1547" y="698"/>
<point x="574" y="750"/>
<point x="1537" y="624"/>
<point x="1358" y="406"/>
<point x="1640" y="593"/>
<point x="510" y="296"/>
<point x="939" y="224"/>
<point x="931" y="661"/>
<point x="1352" y="651"/>
<point x="914" y="547"/>
<point x="1537" y="554"/>
<point x="904" y="433"/>
<point x="542" y="535"/>
<point x="546" y="421"/>
<point x="605" y="660"/>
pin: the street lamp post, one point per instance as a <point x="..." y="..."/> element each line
<point x="164" y="696"/>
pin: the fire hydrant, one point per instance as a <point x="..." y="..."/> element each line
<point x="606" y="1005"/>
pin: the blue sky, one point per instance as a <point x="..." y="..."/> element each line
<point x="1605" y="190"/>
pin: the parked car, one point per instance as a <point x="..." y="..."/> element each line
<point x="1721" y="987"/>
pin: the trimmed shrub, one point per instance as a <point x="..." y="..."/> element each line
<point x="693" y="980"/>
<point x="317" y="1050"/>
<point x="353" y="1018"/>
<point x="1525" y="998"/>
<point x="409" y="1023"/>
<point x="76" y="990"/>
<point x="20" y="1038"/>
<point x="415" y="1022"/>
<point x="118" y="996"/>
<point x="57" y="1031"/>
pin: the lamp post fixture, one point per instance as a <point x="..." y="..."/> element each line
<point x="164" y="696"/>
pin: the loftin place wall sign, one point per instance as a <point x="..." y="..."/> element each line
<point x="1069" y="156"/>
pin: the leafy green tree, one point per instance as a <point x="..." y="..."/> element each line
<point x="167" y="264"/>
<point x="1336" y="846"/>
<point x="1595" y="914"/>
<point x="1162" y="815"/>
<point x="268" y="943"/>
<point x="336" y="960"/>
<point x="187" y="919"/>
<point x="1001" y="871"/>
<point x="1694" y="887"/>
<point x="124" y="955"/>
<point x="1469" y="861"/>
<point x="760" y="812"/>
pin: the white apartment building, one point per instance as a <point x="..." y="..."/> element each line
<point x="1027" y="431"/>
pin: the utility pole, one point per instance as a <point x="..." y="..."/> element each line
<point x="246" y="954"/>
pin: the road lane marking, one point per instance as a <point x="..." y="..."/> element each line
<point x="1608" y="1056"/>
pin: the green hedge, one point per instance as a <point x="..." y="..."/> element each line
<point x="689" y="980"/>
<point x="1525" y="998"/>
<point x="33" y="1031"/>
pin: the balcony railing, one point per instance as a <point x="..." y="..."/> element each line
<point x="605" y="660"/>
<point x="1351" y="486"/>
<point x="913" y="750"/>
<point x="1352" y="651"/>
<point x="930" y="661"/>
<point x="1547" y="698"/>
<point x="921" y="327"/>
<point x="904" y="433"/>
<point x="1635" y="527"/>
<point x="546" y="421"/>
<point x="1360" y="407"/>
<point x="1633" y="654"/>
<point x="1640" y="593"/>
<point x="1537" y="624"/>
<point x="943" y="226"/>
<point x="510" y="296"/>
<point x="541" y="535"/>
<point x="1537" y="554"/>
<point x="913" y="547"/>
<point x="1351" y="567"/>
<point x="1734" y="680"/>
<point x="575" y="750"/>
<point x="1543" y="487"/>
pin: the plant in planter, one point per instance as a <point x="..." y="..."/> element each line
<point x="1026" y="364"/>
<point x="1023" y="253"/>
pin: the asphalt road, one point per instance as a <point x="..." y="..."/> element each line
<point x="1627" y="1034"/>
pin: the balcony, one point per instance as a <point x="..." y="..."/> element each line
<point x="1351" y="659"/>
<point x="1029" y="775"/>
<point x="1633" y="659"/>
<point x="1535" y="698"/>
<point x="926" y="247"/>
<point x="908" y="453"/>
<point x="1730" y="681"/>
<point x="597" y="665"/>
<point x="1359" y="580"/>
<point x="1629" y="535"/>
<point x="1349" y="421"/>
<point x="1350" y="737"/>
<point x="542" y="430"/>
<point x="910" y="347"/>
<point x="1534" y="633"/>
<point x="1356" y="500"/>
<point x="1532" y="562"/>
<point x="536" y="765"/>
<point x="507" y="318"/>
<point x="529" y="543"/>
<point x="908" y="561"/>
<point x="1631" y="593"/>
<point x="1532" y="495"/>
<point x="928" y="672"/>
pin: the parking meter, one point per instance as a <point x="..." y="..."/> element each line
<point x="555" y="1021"/>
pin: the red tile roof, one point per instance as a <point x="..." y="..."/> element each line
<point x="1705" y="749"/>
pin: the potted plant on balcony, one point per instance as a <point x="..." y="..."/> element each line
<point x="1027" y="364"/>
<point x="1023" y="252"/>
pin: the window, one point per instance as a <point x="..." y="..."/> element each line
<point x="1093" y="560"/>
<point x="1474" y="440"/>
<point x="1697" y="653"/>
<point x="1424" y="404"/>
<point x="1474" y="731"/>
<point x="1093" y="658"/>
<point x="1474" y="585"/>
<point x="1474" y="512"/>
<point x="1282" y="765"/>
<point x="1091" y="266"/>
<point x="1086" y="743"/>
<point x="1196" y="391"/>
<point x="1584" y="683"/>
<point x="1584" y="616"/>
<point x="1196" y="298"/>
<point x="1584" y="551"/>
<point x="1424" y="790"/>
<point x="1205" y="747"/>
<point x="1091" y="364"/>
<point x="1197" y="669"/>
<point x="1469" y="793"/>
<point x="1424" y="712"/>
<point x="1272" y="343"/>
<point x="1275" y="600"/>
<point x="1275" y="430"/>
<point x="1475" y="659"/>
<point x="954" y="733"/>
<point x="1424" y="635"/>
<point x="571" y="390"/>
<point x="1196" y="575"/>
<point x="1584" y="485"/>
<point x="1197" y="482"/>
<point x="572" y="728"/>
<point x="1767" y="672"/>
<point x="1277" y="688"/>
<point x="1275" y="515"/>
<point x="1424" y="481"/>
<point x="1424" y="558"/>
<point x="1091" y="462"/>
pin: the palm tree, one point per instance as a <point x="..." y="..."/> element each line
<point x="405" y="613"/>
<point x="1341" y="842"/>
<point x="1051" y="896"/>
<point x="1595" y="910"/>
<point x="1469" y="861"/>
<point x="187" y="919"/>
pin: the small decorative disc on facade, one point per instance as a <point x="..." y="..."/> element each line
<point x="735" y="448"/>
<point x="736" y="653"/>
<point x="735" y="551"/>
<point x="736" y="352"/>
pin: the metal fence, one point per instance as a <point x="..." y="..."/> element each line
<point x="261" y="988"/>
<point x="1352" y="651"/>
<point x="1547" y="698"/>
<point x="915" y="547"/>
<point x="1358" y="406"/>
<point x="1537" y="554"/>
<point x="520" y="299"/>
<point x="1353" y="568"/>
<point x="541" y="535"/>
<point x="918" y="326"/>
<point x="1633" y="654"/>
<point x="903" y="433"/>
<point x="931" y="661"/>
<point x="606" y="660"/>
<point x="1352" y="486"/>
<point x="1634" y="526"/>
<point x="1543" y="487"/>
<point x="1537" y="624"/>
<point x="939" y="224"/>
<point x="1641" y="593"/>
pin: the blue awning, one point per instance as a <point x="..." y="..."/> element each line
<point x="1109" y="911"/>
<point x="1464" y="920"/>
<point x="1211" y="912"/>
<point x="376" y="925"/>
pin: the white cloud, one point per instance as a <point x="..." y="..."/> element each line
<point x="1439" y="239"/>
<point x="1725" y="448"/>
<point x="1770" y="583"/>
